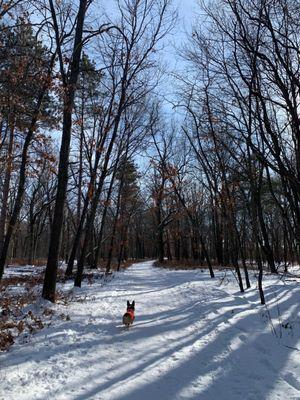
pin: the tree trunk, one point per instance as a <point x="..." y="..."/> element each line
<point x="5" y="190"/>
<point x="52" y="264"/>
<point x="22" y="173"/>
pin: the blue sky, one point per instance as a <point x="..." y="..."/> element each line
<point x="187" y="11"/>
<point x="170" y="60"/>
<point x="187" y="14"/>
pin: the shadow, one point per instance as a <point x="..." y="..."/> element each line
<point x="244" y="372"/>
<point x="217" y="371"/>
<point x="194" y="341"/>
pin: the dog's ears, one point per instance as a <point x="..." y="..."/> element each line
<point x="133" y="303"/>
<point x="128" y="304"/>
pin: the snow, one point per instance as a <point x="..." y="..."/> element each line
<point x="12" y="271"/>
<point x="193" y="338"/>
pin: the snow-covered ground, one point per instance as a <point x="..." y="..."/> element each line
<point x="193" y="338"/>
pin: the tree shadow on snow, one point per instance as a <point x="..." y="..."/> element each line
<point x="224" y="359"/>
<point x="217" y="353"/>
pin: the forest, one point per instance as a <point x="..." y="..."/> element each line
<point x="95" y="167"/>
<point x="150" y="151"/>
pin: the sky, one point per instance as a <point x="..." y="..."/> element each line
<point x="187" y="14"/>
<point x="170" y="59"/>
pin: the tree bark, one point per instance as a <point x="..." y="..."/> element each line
<point x="5" y="190"/>
<point x="52" y="264"/>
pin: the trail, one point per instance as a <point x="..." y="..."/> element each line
<point x="192" y="339"/>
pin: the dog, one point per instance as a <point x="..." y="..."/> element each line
<point x="129" y="317"/>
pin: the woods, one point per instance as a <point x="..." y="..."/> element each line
<point x="98" y="166"/>
<point x="149" y="199"/>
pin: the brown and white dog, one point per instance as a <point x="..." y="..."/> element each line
<point x="128" y="317"/>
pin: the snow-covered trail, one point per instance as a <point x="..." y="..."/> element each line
<point x="192" y="339"/>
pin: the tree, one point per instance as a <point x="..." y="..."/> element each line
<point x="28" y="75"/>
<point x="69" y="82"/>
